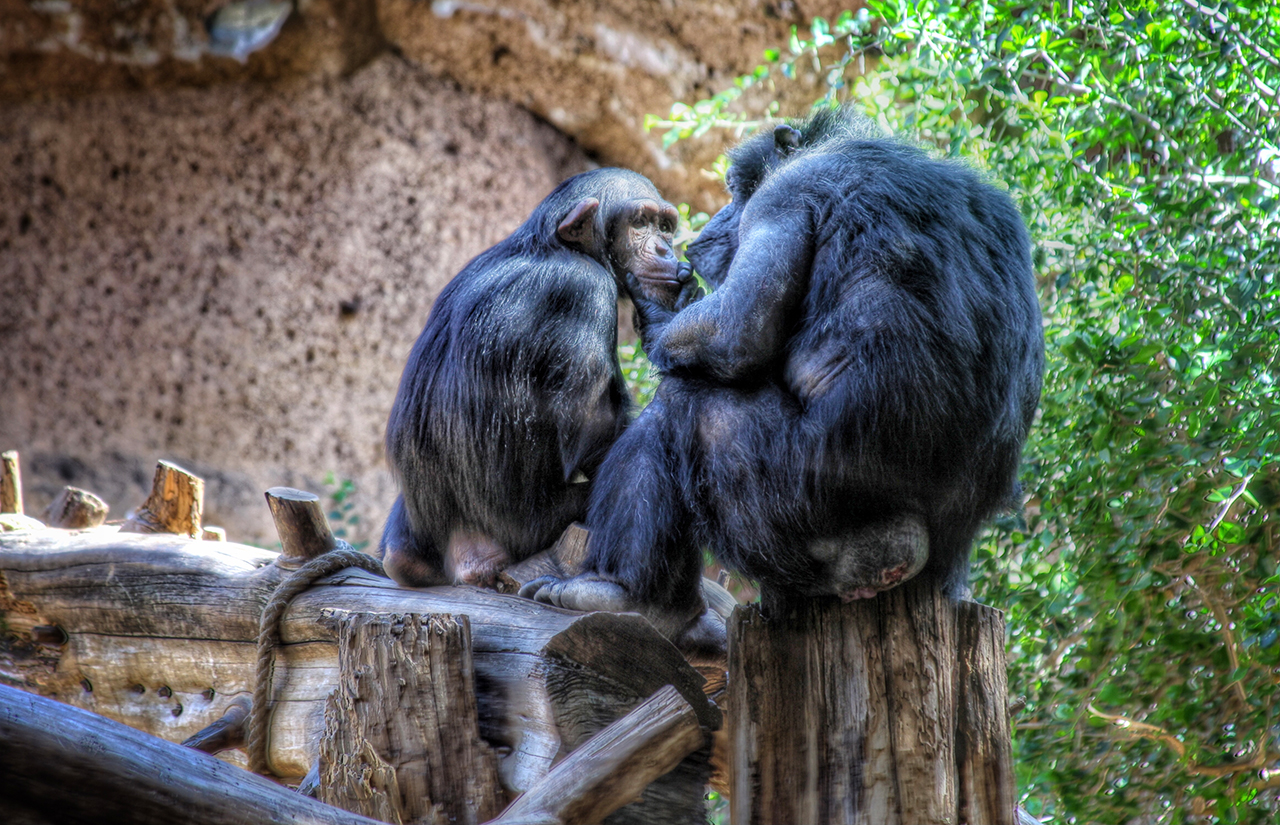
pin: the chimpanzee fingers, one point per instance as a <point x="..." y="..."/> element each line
<point x="531" y="589"/>
<point x="689" y="292"/>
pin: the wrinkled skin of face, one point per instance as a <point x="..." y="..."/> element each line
<point x="642" y="250"/>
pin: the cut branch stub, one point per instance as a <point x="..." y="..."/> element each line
<point x="176" y="504"/>
<point x="301" y="524"/>
<point x="224" y="734"/>
<point x="76" y="509"/>
<point x="10" y="483"/>
<point x="401" y="732"/>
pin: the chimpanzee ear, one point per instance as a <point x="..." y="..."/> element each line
<point x="785" y="139"/>
<point x="578" y="227"/>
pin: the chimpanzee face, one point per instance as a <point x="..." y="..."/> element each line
<point x="641" y="242"/>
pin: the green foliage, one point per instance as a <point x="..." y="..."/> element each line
<point x="1140" y="587"/>
<point x="340" y="508"/>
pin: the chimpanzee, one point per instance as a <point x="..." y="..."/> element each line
<point x="847" y="407"/>
<point x="512" y="393"/>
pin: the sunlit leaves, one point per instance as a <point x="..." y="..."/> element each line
<point x="1140" y="140"/>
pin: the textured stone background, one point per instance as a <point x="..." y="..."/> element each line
<point x="225" y="264"/>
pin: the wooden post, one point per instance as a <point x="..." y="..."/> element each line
<point x="176" y="504"/>
<point x="10" y="483"/>
<point x="76" y="509"/>
<point x="850" y="713"/>
<point x="301" y="524"/>
<point x="401" y="736"/>
<point x="984" y="760"/>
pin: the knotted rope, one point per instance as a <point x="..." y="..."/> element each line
<point x="342" y="556"/>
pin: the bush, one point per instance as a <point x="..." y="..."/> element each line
<point x="1140" y="140"/>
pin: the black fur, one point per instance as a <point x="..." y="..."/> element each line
<point x="512" y="393"/>
<point x="865" y="375"/>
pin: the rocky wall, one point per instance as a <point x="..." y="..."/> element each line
<point x="232" y="277"/>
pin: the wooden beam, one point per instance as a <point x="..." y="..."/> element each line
<point x="613" y="767"/>
<point x="65" y="766"/>
<point x="161" y="634"/>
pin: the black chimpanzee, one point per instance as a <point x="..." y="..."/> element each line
<point x="512" y="393"/>
<point x="848" y="406"/>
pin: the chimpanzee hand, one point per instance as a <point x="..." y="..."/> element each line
<point x="703" y="632"/>
<point x="656" y="306"/>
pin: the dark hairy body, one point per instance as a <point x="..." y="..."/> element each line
<point x="512" y="394"/>
<point x="848" y="407"/>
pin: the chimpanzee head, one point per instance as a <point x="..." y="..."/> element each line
<point x="618" y="218"/>
<point x="751" y="162"/>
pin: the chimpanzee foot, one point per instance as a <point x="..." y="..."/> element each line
<point x="703" y="632"/>
<point x="878" y="557"/>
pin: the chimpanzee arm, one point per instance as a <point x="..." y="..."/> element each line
<point x="741" y="328"/>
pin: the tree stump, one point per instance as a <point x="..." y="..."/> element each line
<point x="176" y="504"/>
<point x="401" y="736"/>
<point x="880" y="711"/>
<point x="76" y="509"/>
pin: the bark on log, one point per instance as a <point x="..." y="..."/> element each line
<point x="65" y="766"/>
<point x="176" y="504"/>
<point x="614" y="766"/>
<point x="984" y="760"/>
<point x="76" y="509"/>
<point x="162" y="633"/>
<point x="301" y="524"/>
<point x="401" y="739"/>
<point x="10" y="483"/>
<point x="848" y="713"/>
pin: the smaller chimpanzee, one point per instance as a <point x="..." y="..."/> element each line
<point x="512" y="393"/>
<point x="848" y="406"/>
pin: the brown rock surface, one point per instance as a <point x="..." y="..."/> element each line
<point x="232" y="277"/>
<point x="594" y="70"/>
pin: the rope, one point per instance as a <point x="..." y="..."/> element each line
<point x="342" y="556"/>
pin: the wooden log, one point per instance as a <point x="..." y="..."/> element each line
<point x="984" y="759"/>
<point x="10" y="483"/>
<point x="176" y="504"/>
<point x="10" y="522"/>
<point x="401" y="735"/>
<point x="848" y="712"/>
<point x="170" y="642"/>
<point x="66" y="766"/>
<point x="75" y="509"/>
<point x="614" y="766"/>
<point x="301" y="524"/>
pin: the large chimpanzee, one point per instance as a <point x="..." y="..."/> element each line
<point x="852" y="399"/>
<point x="512" y="393"/>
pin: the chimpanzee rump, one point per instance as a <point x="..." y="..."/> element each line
<point x="512" y="393"/>
<point x="863" y="378"/>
